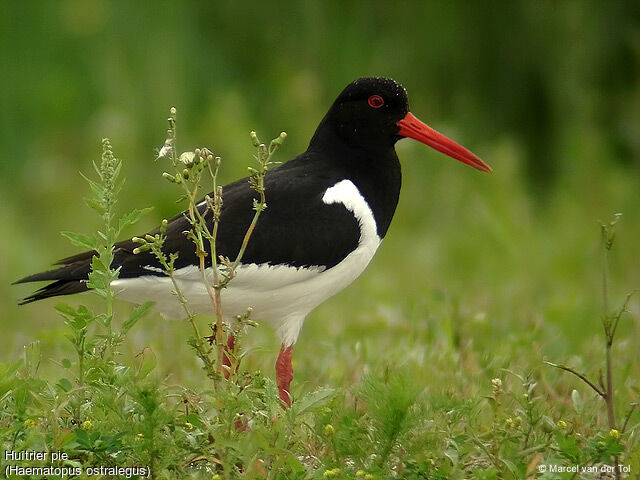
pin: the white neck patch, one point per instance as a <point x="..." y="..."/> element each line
<point x="346" y="193"/>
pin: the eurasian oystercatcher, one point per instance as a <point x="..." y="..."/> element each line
<point x="328" y="210"/>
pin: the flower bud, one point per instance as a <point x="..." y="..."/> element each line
<point x="254" y="138"/>
<point x="279" y="140"/>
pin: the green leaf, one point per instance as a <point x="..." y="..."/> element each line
<point x="119" y="184"/>
<point x="81" y="240"/>
<point x="311" y="400"/>
<point x="95" y="205"/>
<point x="97" y="189"/>
<point x="194" y="419"/>
<point x="295" y="465"/>
<point x="568" y="447"/>
<point x="103" y="319"/>
<point x="82" y="437"/>
<point x="65" y="384"/>
<point x="65" y="309"/>
<point x="132" y="217"/>
<point x="136" y="314"/>
<point x="612" y="448"/>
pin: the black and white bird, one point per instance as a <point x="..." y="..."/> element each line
<point x="328" y="210"/>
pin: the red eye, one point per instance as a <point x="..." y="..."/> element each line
<point x="375" y="101"/>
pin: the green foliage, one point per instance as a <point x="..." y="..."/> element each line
<point x="389" y="404"/>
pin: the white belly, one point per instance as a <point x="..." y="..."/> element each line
<point x="279" y="295"/>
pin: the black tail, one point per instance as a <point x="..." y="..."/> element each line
<point x="60" y="287"/>
<point x="70" y="278"/>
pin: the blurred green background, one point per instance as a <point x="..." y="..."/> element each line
<point x="547" y="93"/>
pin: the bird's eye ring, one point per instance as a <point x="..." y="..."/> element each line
<point x="375" y="101"/>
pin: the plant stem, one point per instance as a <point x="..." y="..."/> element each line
<point x="609" y="393"/>
<point x="580" y="376"/>
<point x="216" y="209"/>
<point x="199" y="344"/>
<point x="607" y="325"/>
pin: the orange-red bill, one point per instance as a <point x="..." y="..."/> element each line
<point x="411" y="127"/>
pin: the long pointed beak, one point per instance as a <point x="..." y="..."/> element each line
<point x="411" y="127"/>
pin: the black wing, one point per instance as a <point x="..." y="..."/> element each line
<point x="296" y="229"/>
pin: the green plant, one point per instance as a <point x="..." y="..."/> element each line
<point x="188" y="170"/>
<point x="610" y="321"/>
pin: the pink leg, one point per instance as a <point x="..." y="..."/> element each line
<point x="284" y="375"/>
<point x="231" y="346"/>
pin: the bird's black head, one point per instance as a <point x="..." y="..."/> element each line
<point x="367" y="112"/>
<point x="373" y="113"/>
